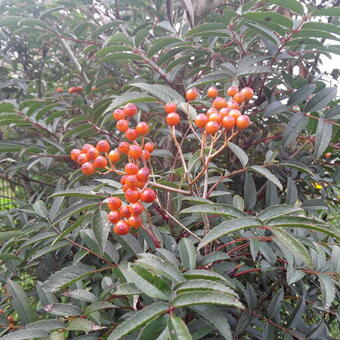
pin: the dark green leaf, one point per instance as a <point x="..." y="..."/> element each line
<point x="178" y="329"/>
<point x="301" y="94"/>
<point x="322" y="137"/>
<point x="240" y="154"/>
<point x="321" y="99"/>
<point x="266" y="173"/>
<point x="187" y="253"/>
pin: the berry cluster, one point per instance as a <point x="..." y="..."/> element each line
<point x="134" y="178"/>
<point x="9" y="318"/>
<point x="75" y="89"/>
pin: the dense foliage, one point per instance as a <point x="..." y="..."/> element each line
<point x="242" y="240"/>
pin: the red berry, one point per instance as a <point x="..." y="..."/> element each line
<point x="82" y="158"/>
<point x="100" y="162"/>
<point x="135" y="221"/>
<point x="10" y="318"/>
<point x="191" y="94"/>
<point x="135" y="152"/>
<point x="219" y="103"/>
<point x="131" y="169"/>
<point x="328" y="155"/>
<point x="124" y="211"/>
<point x="228" y="122"/>
<point x="114" y="203"/>
<point x="124" y="147"/>
<point x="212" y="92"/>
<point x="201" y="120"/>
<point x="148" y="195"/>
<point x="242" y="122"/>
<point x="143" y="174"/>
<point x="131" y="181"/>
<point x="136" y="208"/>
<point x="86" y="147"/>
<point x="121" y="228"/>
<point x="113" y="216"/>
<point x="103" y="146"/>
<point x="114" y="156"/>
<point x="123" y="179"/>
<point x="122" y="125"/>
<point x="118" y="114"/>
<point x="92" y="153"/>
<point x="170" y="107"/>
<point x="173" y="119"/>
<point x="149" y="146"/>
<point x="232" y="90"/>
<point x="74" y="154"/>
<point x="146" y="155"/>
<point x="130" y="109"/>
<point x="142" y="128"/>
<point x="132" y="195"/>
<point x="131" y="134"/>
<point x="88" y="169"/>
<point x="211" y="128"/>
<point x="248" y="93"/>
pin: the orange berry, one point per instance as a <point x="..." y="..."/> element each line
<point x="172" y="119"/>
<point x="93" y="88"/>
<point x="235" y="113"/>
<point x="79" y="88"/>
<point x="135" y="152"/>
<point x="114" y="156"/>
<point x="71" y="90"/>
<point x="135" y="221"/>
<point x="328" y="155"/>
<point x="113" y="216"/>
<point x="149" y="146"/>
<point x="121" y="228"/>
<point x="103" y="146"/>
<point x="122" y="125"/>
<point x="100" y="162"/>
<point x="118" y="114"/>
<point x="212" y="92"/>
<point x="132" y="195"/>
<point x="131" y="181"/>
<point x="136" y="208"/>
<point x="211" y="128"/>
<point x="86" y="147"/>
<point x="224" y="111"/>
<point x="12" y="325"/>
<point x="124" y="211"/>
<point x="242" y="122"/>
<point x="233" y="105"/>
<point x="146" y="155"/>
<point x="141" y="184"/>
<point x="131" y="169"/>
<point x="142" y="128"/>
<point x="123" y="179"/>
<point x="170" y="107"/>
<point x="59" y="90"/>
<point x="232" y="90"/>
<point x="88" y="169"/>
<point x="201" y="120"/>
<point x="74" y="154"/>
<point x="92" y="153"/>
<point x="2" y="311"/>
<point x="248" y="93"/>
<point x="131" y="134"/>
<point x="124" y="147"/>
<point x="219" y="103"/>
<point x="82" y="158"/>
<point x="114" y="203"/>
<point x="191" y="94"/>
<point x="215" y="117"/>
<point x="148" y="195"/>
<point x="130" y="109"/>
<point x="10" y="318"/>
<point x="228" y="122"/>
<point x="239" y="98"/>
<point x="143" y="174"/>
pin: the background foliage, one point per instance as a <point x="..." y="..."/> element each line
<point x="261" y="260"/>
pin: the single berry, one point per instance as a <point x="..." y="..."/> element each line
<point x="136" y="208"/>
<point x="100" y="162"/>
<point x="211" y="110"/>
<point x="71" y="90"/>
<point x="328" y="155"/>
<point x="92" y="153"/>
<point x="135" y="152"/>
<point x="124" y="211"/>
<point x="10" y="318"/>
<point x="103" y="146"/>
<point x="122" y="125"/>
<point x="74" y="154"/>
<point x="124" y="188"/>
<point x="135" y="221"/>
<point x="219" y="103"/>
<point x="173" y="119"/>
<point x="114" y="156"/>
<point x="233" y="105"/>
<point x="131" y="169"/>
<point x="130" y="109"/>
<point x="124" y="147"/>
<point x="82" y="158"/>
<point x="147" y="195"/>
<point x="93" y="88"/>
<point x="132" y="195"/>
<point x="211" y="128"/>
<point x="191" y="94"/>
<point x="248" y="93"/>
<point x="224" y="111"/>
<point x="235" y="113"/>
<point x="113" y="216"/>
<point x="88" y="169"/>
<point x="121" y="228"/>
<point x="212" y="92"/>
<point x="201" y="120"/>
<point x="131" y="134"/>
<point x="142" y="128"/>
<point x="228" y="122"/>
<point x="170" y="107"/>
<point x="232" y="90"/>
<point x="215" y="117"/>
<point x="146" y="155"/>
<point x="242" y="122"/>
<point x="149" y="146"/>
<point x="114" y="203"/>
<point x="118" y="114"/>
<point x="123" y="179"/>
<point x="59" y="90"/>
<point x="131" y="181"/>
<point x="143" y="174"/>
<point x="86" y="147"/>
<point x="239" y="98"/>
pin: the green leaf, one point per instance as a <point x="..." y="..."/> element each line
<point x="187" y="253"/>
<point x="209" y="27"/>
<point x="266" y="173"/>
<point x="269" y="17"/>
<point x="138" y="319"/>
<point x="240" y="154"/>
<point x="321" y="99"/>
<point x="21" y="303"/>
<point x="112" y="58"/>
<point x="295" y="125"/>
<point x="265" y="32"/>
<point x="321" y="26"/>
<point x="153" y="329"/>
<point x="290" y="242"/>
<point x="78" y="324"/>
<point x="69" y="229"/>
<point x="329" y="12"/>
<point x="216" y="318"/>
<point x="323" y="137"/>
<point x="84" y="192"/>
<point x="161" y="43"/>
<point x="23" y="334"/>
<point x="214" y="209"/>
<point x="162" y="92"/>
<point x="213" y="298"/>
<point x="112" y="48"/>
<point x="276" y="211"/>
<point x="314" y="34"/>
<point x="6" y="235"/>
<point x="81" y="294"/>
<point x="127" y="289"/>
<point x="96" y="306"/>
<point x="228" y="227"/>
<point x="6" y="256"/>
<point x="292" y="5"/>
<point x="298" y="166"/>
<point x="214" y="77"/>
<point x="274" y="108"/>
<point x="47" y="325"/>
<point x="178" y="329"/>
<point x="301" y="94"/>
<point x="101" y="228"/>
<point x="207" y="275"/>
<point x="250" y="193"/>
<point x="328" y="289"/>
<point x="63" y="309"/>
